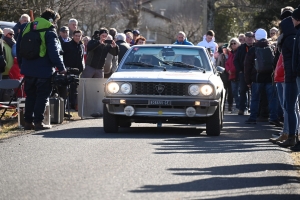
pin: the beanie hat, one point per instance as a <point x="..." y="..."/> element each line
<point x="103" y="31"/>
<point x="286" y="14"/>
<point x="296" y="14"/>
<point x="260" y="34"/>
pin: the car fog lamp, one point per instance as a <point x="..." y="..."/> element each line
<point x="190" y="112"/>
<point x="194" y="90"/>
<point x="206" y="90"/>
<point x="126" y="88"/>
<point x="129" y="110"/>
<point x="113" y="88"/>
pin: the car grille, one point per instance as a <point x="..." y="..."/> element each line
<point x="168" y="89"/>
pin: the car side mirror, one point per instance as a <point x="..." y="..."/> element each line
<point x="220" y="69"/>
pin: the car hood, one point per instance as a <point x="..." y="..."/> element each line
<point x="162" y="76"/>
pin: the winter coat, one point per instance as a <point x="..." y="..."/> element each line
<point x="221" y="61"/>
<point x="240" y="58"/>
<point x="287" y="43"/>
<point x="97" y="53"/>
<point x="73" y="55"/>
<point x="123" y="46"/>
<point x="250" y="72"/>
<point x="296" y="52"/>
<point x="185" y="42"/>
<point x="43" y="67"/>
<point x="229" y="66"/>
<point x="279" y="71"/>
<point x="8" y="58"/>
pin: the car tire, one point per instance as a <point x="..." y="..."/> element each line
<point x="110" y="122"/>
<point x="211" y="123"/>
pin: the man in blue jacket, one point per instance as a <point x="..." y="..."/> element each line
<point x="182" y="40"/>
<point x="38" y="72"/>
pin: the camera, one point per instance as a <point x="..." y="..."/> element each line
<point x="66" y="79"/>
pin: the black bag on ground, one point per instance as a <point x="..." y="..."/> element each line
<point x="264" y="57"/>
<point x="31" y="43"/>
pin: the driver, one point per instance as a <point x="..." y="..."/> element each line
<point x="188" y="59"/>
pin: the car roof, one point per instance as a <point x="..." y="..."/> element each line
<point x="5" y="24"/>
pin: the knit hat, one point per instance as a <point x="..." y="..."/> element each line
<point x="225" y="46"/>
<point x="7" y="30"/>
<point x="296" y="14"/>
<point x="260" y="34"/>
<point x="103" y="31"/>
<point x="286" y="14"/>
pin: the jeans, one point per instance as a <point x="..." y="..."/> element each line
<point x="280" y="92"/>
<point x="37" y="92"/>
<point x="235" y="93"/>
<point x="272" y="99"/>
<point x="291" y="106"/>
<point x="243" y="92"/>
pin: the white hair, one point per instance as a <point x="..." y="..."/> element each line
<point x="25" y="16"/>
<point x="121" y="36"/>
<point x="73" y="20"/>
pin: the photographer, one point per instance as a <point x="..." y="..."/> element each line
<point x="98" y="48"/>
<point x="73" y="59"/>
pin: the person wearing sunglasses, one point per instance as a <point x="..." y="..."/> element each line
<point x="231" y="70"/>
<point x="8" y="43"/>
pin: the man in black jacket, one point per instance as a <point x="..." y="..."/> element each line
<point x="296" y="60"/>
<point x="73" y="59"/>
<point x="239" y="65"/>
<point x="258" y="81"/>
<point x="64" y="35"/>
<point x="98" y="48"/>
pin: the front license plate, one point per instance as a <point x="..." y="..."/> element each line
<point x="159" y="102"/>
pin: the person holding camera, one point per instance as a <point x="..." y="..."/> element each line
<point x="98" y="48"/>
<point x="38" y="70"/>
<point x="74" y="61"/>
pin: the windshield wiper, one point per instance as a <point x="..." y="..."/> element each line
<point x="185" y="65"/>
<point x="142" y="64"/>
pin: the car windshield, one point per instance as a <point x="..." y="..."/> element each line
<point x="166" y="58"/>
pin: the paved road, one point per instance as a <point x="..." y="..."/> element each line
<point x="80" y="161"/>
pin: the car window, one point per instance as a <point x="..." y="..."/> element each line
<point x="166" y="58"/>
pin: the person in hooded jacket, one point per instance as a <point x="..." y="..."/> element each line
<point x="289" y="96"/>
<point x="182" y="40"/>
<point x="209" y="42"/>
<point x="258" y="81"/>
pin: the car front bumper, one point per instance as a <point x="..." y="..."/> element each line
<point x="161" y="107"/>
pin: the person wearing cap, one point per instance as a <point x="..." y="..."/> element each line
<point x="239" y="66"/>
<point x="64" y="35"/>
<point x="97" y="52"/>
<point x="182" y="40"/>
<point x="136" y="33"/>
<point x="258" y="81"/>
<point x="296" y="64"/>
<point x="221" y="60"/>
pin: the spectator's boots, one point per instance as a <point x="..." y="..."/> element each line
<point x="296" y="147"/>
<point x="38" y="126"/>
<point x="241" y="112"/>
<point x="281" y="138"/>
<point x="230" y="107"/>
<point x="28" y="126"/>
<point x="289" y="142"/>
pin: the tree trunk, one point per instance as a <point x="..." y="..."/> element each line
<point x="211" y="8"/>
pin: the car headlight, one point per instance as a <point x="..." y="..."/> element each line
<point x="113" y="87"/>
<point x="194" y="90"/>
<point x="206" y="90"/>
<point x="126" y="88"/>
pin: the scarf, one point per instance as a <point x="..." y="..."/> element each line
<point x="9" y="41"/>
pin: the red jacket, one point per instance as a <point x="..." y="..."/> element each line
<point x="279" y="70"/>
<point x="229" y="66"/>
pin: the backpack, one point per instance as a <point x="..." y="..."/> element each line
<point x="264" y="59"/>
<point x="31" y="42"/>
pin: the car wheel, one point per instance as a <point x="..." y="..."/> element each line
<point x="124" y="124"/>
<point x="214" y="123"/>
<point x="110" y="122"/>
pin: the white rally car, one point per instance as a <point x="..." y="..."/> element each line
<point x="175" y="84"/>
